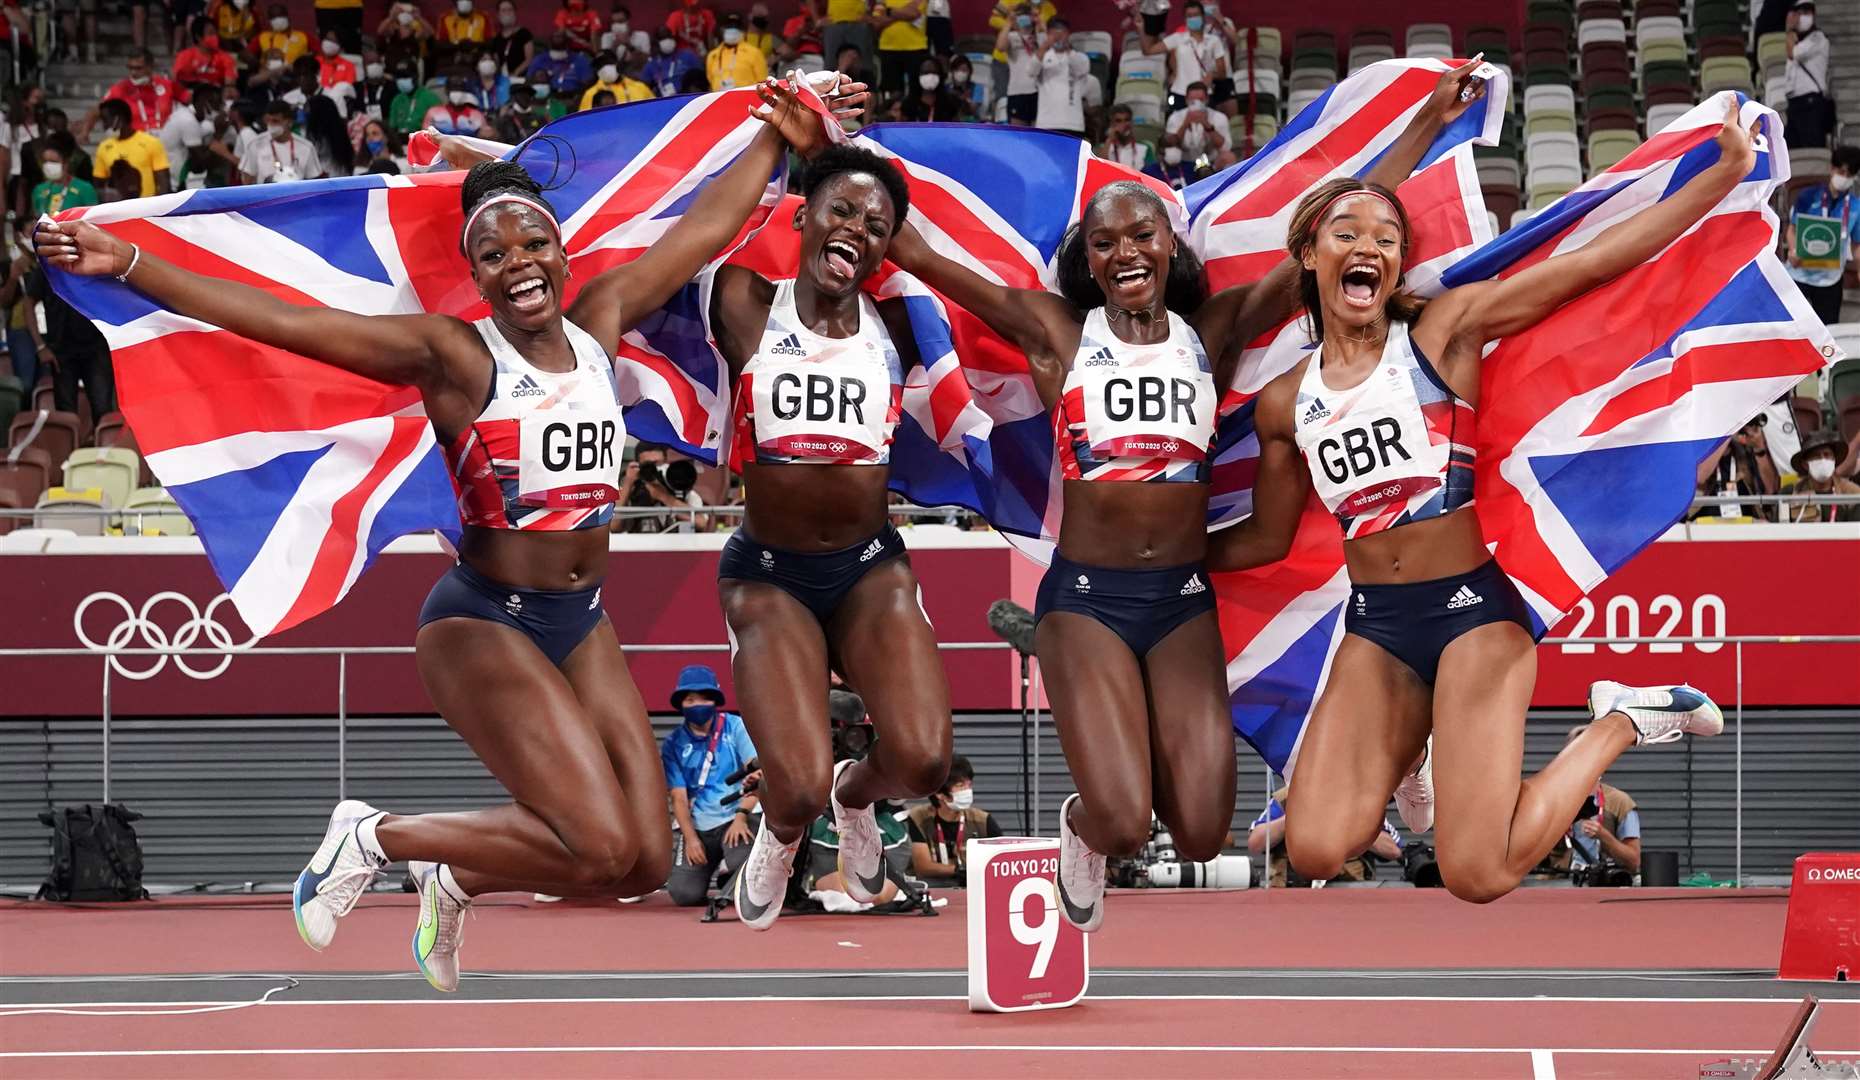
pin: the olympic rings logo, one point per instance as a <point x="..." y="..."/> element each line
<point x="140" y="624"/>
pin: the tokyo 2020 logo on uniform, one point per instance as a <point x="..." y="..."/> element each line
<point x="167" y="620"/>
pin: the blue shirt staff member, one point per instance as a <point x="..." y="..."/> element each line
<point x="699" y="755"/>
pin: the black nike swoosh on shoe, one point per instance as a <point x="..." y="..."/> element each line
<point x="746" y="909"/>
<point x="1074" y="914"/>
<point x="875" y="885"/>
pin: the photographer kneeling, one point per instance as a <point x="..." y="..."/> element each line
<point x="700" y="757"/>
<point x="652" y="478"/>
<point x="1604" y="840"/>
<point x="941" y="830"/>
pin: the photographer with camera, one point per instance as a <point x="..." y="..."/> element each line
<point x="702" y="758"/>
<point x="853" y="735"/>
<point x="941" y="830"/>
<point x="652" y="478"/>
<point x="1604" y="840"/>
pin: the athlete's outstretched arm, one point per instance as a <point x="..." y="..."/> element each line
<point x="1279" y="489"/>
<point x="402" y="349"/>
<point x="1031" y="319"/>
<point x="1240" y="313"/>
<point x="620" y="298"/>
<point x="1473" y="315"/>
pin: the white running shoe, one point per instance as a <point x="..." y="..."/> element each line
<point x="442" y="927"/>
<point x="336" y="877"/>
<point x="1414" y="796"/>
<point x="1081" y="875"/>
<point x="1660" y="714"/>
<point x="862" y="848"/>
<point x="762" y="883"/>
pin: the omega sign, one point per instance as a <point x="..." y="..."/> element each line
<point x="167" y="620"/>
<point x="1849" y="874"/>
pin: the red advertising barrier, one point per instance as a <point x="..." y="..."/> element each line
<point x="1774" y="580"/>
<point x="1802" y="579"/>
<point x="1821" y="939"/>
<point x="132" y="598"/>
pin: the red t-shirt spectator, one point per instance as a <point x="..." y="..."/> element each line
<point x="336" y="70"/>
<point x="802" y="33"/>
<point x="149" y="104"/>
<point x="581" y="20"/>
<point x="693" y="25"/>
<point x="200" y="64"/>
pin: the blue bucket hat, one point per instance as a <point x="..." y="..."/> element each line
<point x="697" y="678"/>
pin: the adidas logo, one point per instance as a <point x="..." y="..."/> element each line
<point x="788" y="346"/>
<point x="526" y="387"/>
<point x="872" y="550"/>
<point x="1195" y="585"/>
<point x="1101" y="358"/>
<point x="1316" y="412"/>
<point x="1465" y="598"/>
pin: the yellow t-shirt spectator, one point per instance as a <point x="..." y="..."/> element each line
<point x="731" y="66"/>
<point x="1004" y="12"/>
<point x="141" y="150"/>
<point x="336" y="5"/>
<point x="845" y="10"/>
<point x="234" y="25"/>
<point x="455" y="28"/>
<point x="905" y="35"/>
<point x="627" y="89"/>
<point x="292" y="43"/>
<point x="762" y="40"/>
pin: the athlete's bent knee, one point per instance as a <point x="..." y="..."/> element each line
<point x="1197" y="842"/>
<point x="1315" y="859"/>
<point x="604" y="863"/>
<point x="651" y="872"/>
<point x="798" y="802"/>
<point x="1478" y="887"/>
<point x="1119" y="832"/>
<point x="919" y="766"/>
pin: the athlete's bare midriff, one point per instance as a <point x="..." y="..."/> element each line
<point x="1421" y="551"/>
<point x="814" y="507"/>
<point x="1130" y="525"/>
<point x="550" y="561"/>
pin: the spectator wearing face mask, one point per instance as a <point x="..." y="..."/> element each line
<point x="464" y="26"/>
<point x="60" y="190"/>
<point x="310" y="91"/>
<point x="1828" y="217"/>
<point x="622" y="36"/>
<point x="1198" y="130"/>
<point x="903" y="42"/>
<point x="1815" y="465"/>
<point x="735" y="62"/>
<point x="412" y="101"/>
<point x="272" y="78"/>
<point x="460" y="114"/>
<point x="699" y="756"/>
<point x="519" y="119"/>
<point x="1197" y="53"/>
<point x="961" y="83"/>
<point x="375" y="91"/>
<point x="1019" y="41"/>
<point x="123" y="142"/>
<point x="932" y="99"/>
<point x="561" y="66"/>
<point x="378" y="144"/>
<point x="609" y="78"/>
<point x="582" y="24"/>
<point x="403" y="35"/>
<point x="852" y="65"/>
<point x="204" y="61"/>
<point x="1810" y="115"/>
<point x="237" y="26"/>
<point x="670" y="67"/>
<point x="1007" y="13"/>
<point x="281" y="155"/>
<point x="334" y="69"/>
<point x="757" y="33"/>
<point x="1174" y="169"/>
<point x="1122" y="145"/>
<point x="1740" y="466"/>
<point x="801" y="34"/>
<point x="149" y="97"/>
<point x="693" y="24"/>
<point x="512" y="43"/>
<point x="344" y="18"/>
<point x="491" y="86"/>
<point x="547" y="104"/>
<point x="1063" y="71"/>
<point x="279" y="34"/>
<point x="941" y="830"/>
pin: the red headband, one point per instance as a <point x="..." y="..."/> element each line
<point x="1317" y="222"/>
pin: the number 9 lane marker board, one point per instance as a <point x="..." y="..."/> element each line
<point x="1023" y="954"/>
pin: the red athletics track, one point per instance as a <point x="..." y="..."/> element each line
<point x="1434" y="988"/>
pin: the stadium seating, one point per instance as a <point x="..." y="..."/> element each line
<point x="152" y="511"/>
<point x="60" y="498"/>
<point x="54" y="432"/>
<point x="1432" y="40"/>
<point x="12" y="399"/>
<point x="111" y="470"/>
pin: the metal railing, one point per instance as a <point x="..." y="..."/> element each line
<point x="342" y="653"/>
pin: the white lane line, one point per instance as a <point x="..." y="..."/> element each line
<point x="27" y="1006"/>
<point x="1543" y="1065"/>
<point x="867" y="1048"/>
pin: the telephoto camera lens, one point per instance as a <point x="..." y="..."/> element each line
<point x="1220" y="872"/>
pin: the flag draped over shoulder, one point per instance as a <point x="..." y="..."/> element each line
<point x="297" y="474"/>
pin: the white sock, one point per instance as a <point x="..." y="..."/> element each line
<point x="365" y="835"/>
<point x="451" y="884"/>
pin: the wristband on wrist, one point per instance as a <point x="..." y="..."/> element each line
<point x="135" y="256"/>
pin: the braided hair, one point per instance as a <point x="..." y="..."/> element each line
<point x="489" y="179"/>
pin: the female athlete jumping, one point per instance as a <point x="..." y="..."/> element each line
<point x="513" y="646"/>
<point x="1436" y="638"/>
<point x="816" y="574"/>
<point x="1126" y="628"/>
